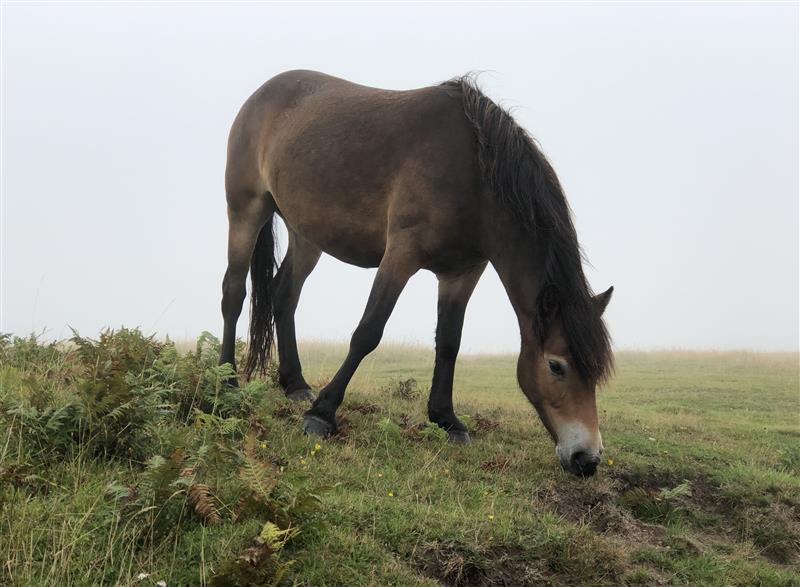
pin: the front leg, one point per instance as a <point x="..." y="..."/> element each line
<point x="454" y="293"/>
<point x="397" y="266"/>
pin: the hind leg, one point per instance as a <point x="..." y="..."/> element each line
<point x="247" y="214"/>
<point x="301" y="258"/>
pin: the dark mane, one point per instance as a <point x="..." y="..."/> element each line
<point x="521" y="176"/>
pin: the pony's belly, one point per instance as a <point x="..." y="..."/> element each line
<point x="357" y="243"/>
<point x="353" y="254"/>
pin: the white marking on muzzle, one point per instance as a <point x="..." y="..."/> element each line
<point x="574" y="437"/>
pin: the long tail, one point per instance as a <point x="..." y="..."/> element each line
<point x="262" y="319"/>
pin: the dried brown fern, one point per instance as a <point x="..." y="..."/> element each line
<point x="201" y="498"/>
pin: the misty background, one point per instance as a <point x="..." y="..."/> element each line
<point x="673" y="128"/>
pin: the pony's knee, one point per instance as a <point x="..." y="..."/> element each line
<point x="365" y="339"/>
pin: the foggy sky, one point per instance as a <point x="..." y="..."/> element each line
<point x="673" y="128"/>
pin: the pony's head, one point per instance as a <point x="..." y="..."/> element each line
<point x="559" y="376"/>
<point x="567" y="349"/>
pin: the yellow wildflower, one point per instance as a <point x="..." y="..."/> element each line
<point x="391" y="494"/>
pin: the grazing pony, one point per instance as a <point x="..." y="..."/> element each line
<point x="437" y="178"/>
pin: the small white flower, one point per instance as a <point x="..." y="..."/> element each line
<point x="142" y="576"/>
<point x="162" y="583"/>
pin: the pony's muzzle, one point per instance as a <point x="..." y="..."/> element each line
<point x="579" y="450"/>
<point x="584" y="464"/>
<point x="580" y="463"/>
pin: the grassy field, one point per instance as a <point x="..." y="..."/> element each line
<point x="125" y="461"/>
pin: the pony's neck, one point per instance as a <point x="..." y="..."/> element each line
<point x="519" y="262"/>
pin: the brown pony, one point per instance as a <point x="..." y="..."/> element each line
<point x="438" y="178"/>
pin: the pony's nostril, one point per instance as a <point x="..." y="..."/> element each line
<point x="584" y="463"/>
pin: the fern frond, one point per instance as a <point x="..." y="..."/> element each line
<point x="200" y="497"/>
<point x="258" y="477"/>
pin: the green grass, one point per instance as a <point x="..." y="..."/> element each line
<point x="699" y="484"/>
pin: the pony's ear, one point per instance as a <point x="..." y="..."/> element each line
<point x="601" y="300"/>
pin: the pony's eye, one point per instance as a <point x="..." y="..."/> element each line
<point x="556" y="368"/>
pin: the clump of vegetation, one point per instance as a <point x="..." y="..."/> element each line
<point x="404" y="389"/>
<point x="121" y="389"/>
<point x="389" y="429"/>
<point x="427" y="431"/>
<point x="181" y="447"/>
<point x="261" y="563"/>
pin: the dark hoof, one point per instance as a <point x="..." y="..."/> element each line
<point x="314" y="425"/>
<point x="301" y="395"/>
<point x="458" y="436"/>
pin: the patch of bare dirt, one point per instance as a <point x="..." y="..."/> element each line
<point x="596" y="504"/>
<point x="453" y="563"/>
<point x="773" y="527"/>
<point x="649" y="479"/>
